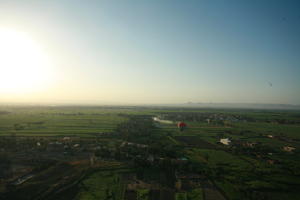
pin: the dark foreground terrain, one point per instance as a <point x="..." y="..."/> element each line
<point x="139" y="153"/>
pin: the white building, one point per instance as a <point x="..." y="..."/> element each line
<point x="289" y="149"/>
<point x="225" y="141"/>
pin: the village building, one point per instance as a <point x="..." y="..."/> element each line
<point x="133" y="144"/>
<point x="289" y="149"/>
<point x="225" y="141"/>
<point x="250" y="144"/>
<point x="66" y="138"/>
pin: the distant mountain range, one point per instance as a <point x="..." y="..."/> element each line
<point x="184" y="105"/>
<point x="242" y="105"/>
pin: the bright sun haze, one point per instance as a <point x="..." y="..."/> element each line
<point x="150" y="52"/>
<point x="23" y="65"/>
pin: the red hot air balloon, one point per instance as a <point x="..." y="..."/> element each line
<point x="181" y="125"/>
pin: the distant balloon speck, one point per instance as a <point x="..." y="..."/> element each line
<point x="270" y="84"/>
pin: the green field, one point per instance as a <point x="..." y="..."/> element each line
<point x="101" y="185"/>
<point x="60" y="121"/>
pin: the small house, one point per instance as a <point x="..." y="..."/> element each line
<point x="288" y="149"/>
<point x="225" y="141"/>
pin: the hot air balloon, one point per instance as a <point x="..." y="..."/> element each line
<point x="181" y="125"/>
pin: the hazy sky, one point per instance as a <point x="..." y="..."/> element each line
<point x="159" y="51"/>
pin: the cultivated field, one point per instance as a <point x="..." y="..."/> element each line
<point x="63" y="121"/>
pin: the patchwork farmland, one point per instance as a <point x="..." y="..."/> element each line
<point x="123" y="153"/>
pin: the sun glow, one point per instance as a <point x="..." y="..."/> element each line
<point x="24" y="67"/>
